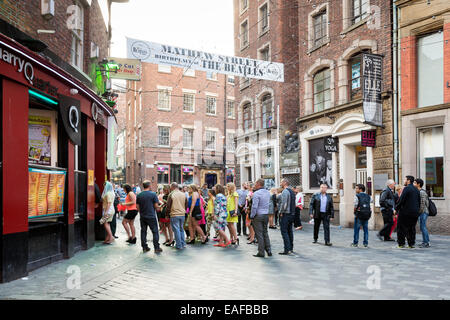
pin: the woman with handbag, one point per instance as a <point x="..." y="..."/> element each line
<point x="232" y="201"/>
<point x="195" y="215"/>
<point x="128" y="220"/>
<point x="108" y="211"/>
<point x="248" y="207"/>
<point x="164" y="220"/>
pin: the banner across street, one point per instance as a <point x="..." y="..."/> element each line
<point x="198" y="60"/>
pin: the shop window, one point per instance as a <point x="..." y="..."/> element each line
<point x="322" y="99"/>
<point x="430" y="69"/>
<point x="247" y="117"/>
<point x="175" y="173"/>
<point x="360" y="10"/>
<point x="431" y="160"/>
<point x="320" y="164"/>
<point x="81" y="172"/>
<point x="266" y="110"/>
<point x="211" y="105"/>
<point x="42" y="137"/>
<point x="163" y="174"/>
<point x="164" y="136"/>
<point x="188" y="175"/>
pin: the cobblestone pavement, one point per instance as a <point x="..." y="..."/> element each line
<point x="315" y="271"/>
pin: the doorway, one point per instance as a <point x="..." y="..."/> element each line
<point x="211" y="180"/>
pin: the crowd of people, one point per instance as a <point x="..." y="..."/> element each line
<point x="185" y="215"/>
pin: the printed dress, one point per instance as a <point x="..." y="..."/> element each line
<point x="220" y="210"/>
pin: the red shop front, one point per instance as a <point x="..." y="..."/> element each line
<point x="53" y="147"/>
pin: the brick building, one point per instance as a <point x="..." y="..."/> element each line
<point x="424" y="74"/>
<point x="175" y="126"/>
<point x="332" y="37"/>
<point x="77" y="49"/>
<point x="266" y="30"/>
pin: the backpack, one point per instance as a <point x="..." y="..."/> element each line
<point x="363" y="211"/>
<point x="432" y="210"/>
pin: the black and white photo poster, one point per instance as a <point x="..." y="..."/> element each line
<point x="372" y="85"/>
<point x="320" y="164"/>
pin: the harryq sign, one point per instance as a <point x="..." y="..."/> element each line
<point x="198" y="60"/>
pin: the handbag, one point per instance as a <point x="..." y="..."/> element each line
<point x="197" y="213"/>
<point x="232" y="212"/>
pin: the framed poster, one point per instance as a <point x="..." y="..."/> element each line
<point x="39" y="140"/>
<point x="320" y="164"/>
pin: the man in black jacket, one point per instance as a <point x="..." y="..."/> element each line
<point x="387" y="204"/>
<point x="321" y="209"/>
<point x="408" y="207"/>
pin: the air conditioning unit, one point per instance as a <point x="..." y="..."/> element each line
<point x="48" y="9"/>
<point x="95" y="52"/>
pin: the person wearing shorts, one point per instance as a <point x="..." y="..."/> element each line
<point x="221" y="214"/>
<point x="128" y="220"/>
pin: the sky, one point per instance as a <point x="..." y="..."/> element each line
<point x="205" y="25"/>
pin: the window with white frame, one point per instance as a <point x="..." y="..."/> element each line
<point x="188" y="102"/>
<point x="266" y="110"/>
<point x="211" y="103"/>
<point x="211" y="75"/>
<point x="163" y="99"/>
<point x="210" y="140"/>
<point x="163" y="136"/>
<point x="188" y="137"/>
<point x="244" y="34"/>
<point x="189" y="72"/>
<point x="322" y="98"/>
<point x="430" y="69"/>
<point x="77" y="30"/>
<point x="244" y="5"/>
<point x="320" y="28"/>
<point x="244" y="83"/>
<point x="230" y="109"/>
<point x="164" y="68"/>
<point x="263" y="18"/>
<point x="264" y="53"/>
<point x="230" y="80"/>
<point x="246" y="115"/>
<point x="360" y="10"/>
<point x="231" y="145"/>
<point x="431" y="160"/>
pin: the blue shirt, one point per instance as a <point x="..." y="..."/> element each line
<point x="146" y="201"/>
<point x="260" y="202"/>
<point x="323" y="202"/>
<point x="242" y="196"/>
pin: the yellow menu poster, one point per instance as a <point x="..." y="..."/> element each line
<point x="46" y="192"/>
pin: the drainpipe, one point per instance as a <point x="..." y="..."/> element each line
<point x="396" y="96"/>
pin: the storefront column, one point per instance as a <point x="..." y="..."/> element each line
<point x="100" y="175"/>
<point x="90" y="226"/>
<point x="14" y="211"/>
<point x="68" y="240"/>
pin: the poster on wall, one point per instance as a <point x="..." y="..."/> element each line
<point x="45" y="193"/>
<point x="39" y="140"/>
<point x="320" y="164"/>
<point x="372" y="77"/>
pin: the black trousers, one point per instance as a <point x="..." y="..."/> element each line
<point x="260" y="224"/>
<point x="153" y="224"/>
<point x="297" y="220"/>
<point x="113" y="225"/>
<point x="241" y="221"/>
<point x="277" y="215"/>
<point x="406" y="228"/>
<point x="388" y="219"/>
<point x="286" y="222"/>
<point x="325" y="218"/>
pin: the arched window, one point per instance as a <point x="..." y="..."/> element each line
<point x="246" y="110"/>
<point x="322" y="97"/>
<point x="266" y="111"/>
<point x="355" y="69"/>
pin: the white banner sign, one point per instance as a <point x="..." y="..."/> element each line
<point x="198" y="60"/>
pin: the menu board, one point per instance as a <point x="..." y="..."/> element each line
<point x="45" y="192"/>
<point x="39" y="140"/>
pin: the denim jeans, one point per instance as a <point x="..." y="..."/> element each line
<point x="286" y="225"/>
<point x="423" y="227"/>
<point x="153" y="224"/>
<point x="358" y="224"/>
<point x="177" y="223"/>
